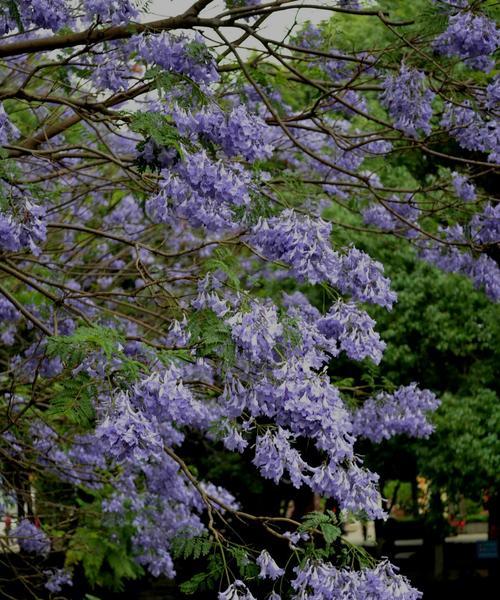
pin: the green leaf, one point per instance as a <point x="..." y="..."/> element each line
<point x="330" y="532"/>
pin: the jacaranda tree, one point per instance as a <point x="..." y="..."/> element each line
<point x="172" y="197"/>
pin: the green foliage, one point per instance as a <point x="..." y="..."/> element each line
<point x="212" y="336"/>
<point x="223" y="259"/>
<point x="246" y="567"/>
<point x="157" y="127"/>
<point x="184" y="546"/>
<point x="106" y="559"/>
<point x="86" y="341"/>
<point x="73" y="348"/>
<point x="205" y="580"/>
<point x="72" y="398"/>
<point x="463" y="455"/>
<point x="326" y="523"/>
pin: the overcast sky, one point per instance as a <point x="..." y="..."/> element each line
<point x="276" y="26"/>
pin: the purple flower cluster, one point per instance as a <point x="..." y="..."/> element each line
<point x="471" y="131"/>
<point x="492" y="94"/>
<point x="238" y="133"/>
<point x="472" y="38"/>
<point x="353" y="328"/>
<point x="179" y="55"/>
<point x="485" y="226"/>
<point x="256" y="331"/>
<point x="465" y="190"/>
<point x="57" y="579"/>
<point x="396" y="215"/>
<point x="7" y="129"/>
<point x="31" y="538"/>
<point x="274" y="455"/>
<point x="362" y="278"/>
<point x="114" y="11"/>
<point x="483" y="271"/>
<point x="236" y="591"/>
<point x="345" y="327"/>
<point x="8" y="312"/>
<point x="403" y="412"/>
<point x="202" y="191"/>
<point x="409" y="101"/>
<point x="268" y="567"/>
<point x="316" y="580"/>
<point x="47" y="14"/>
<point x="354" y="488"/>
<point x="127" y="434"/>
<point x="25" y="230"/>
<point x="299" y="241"/>
<point x="219" y="181"/>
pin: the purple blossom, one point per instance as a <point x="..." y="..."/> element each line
<point x="233" y="440"/>
<point x="268" y="567"/>
<point x="354" y="488"/>
<point x="274" y="454"/>
<point x="47" y="14"/>
<point x="353" y="328"/>
<point x="492" y="94"/>
<point x="116" y="11"/>
<point x="403" y="412"/>
<point x="485" y="226"/>
<point x="408" y="101"/>
<point x="317" y="580"/>
<point x="256" y="331"/>
<point x="483" y="271"/>
<point x="8" y="130"/>
<point x="238" y="133"/>
<point x="299" y="241"/>
<point x="8" y="312"/>
<point x="109" y="72"/>
<point x="463" y="188"/>
<point x="179" y="54"/>
<point x="307" y="404"/>
<point x="128" y="434"/>
<point x="24" y="230"/>
<point x="30" y="538"/>
<point x="471" y="131"/>
<point x="472" y="38"/>
<point x="387" y="217"/>
<point x="57" y="579"/>
<point x="362" y="278"/>
<point x="217" y="180"/>
<point x="236" y="591"/>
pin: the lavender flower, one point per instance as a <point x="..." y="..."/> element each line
<point x="471" y="131"/>
<point x="299" y="241"/>
<point x="57" y="579"/>
<point x="268" y="567"/>
<point x="409" y="101"/>
<point x="485" y="226"/>
<point x="362" y="278"/>
<point x="404" y="412"/>
<point x="238" y="133"/>
<point x="274" y="454"/>
<point x="25" y="230"/>
<point x="116" y="11"/>
<point x="353" y="328"/>
<point x="257" y="331"/>
<point x="463" y="188"/>
<point x="236" y="591"/>
<point x="30" y="538"/>
<point x="472" y="38"/>
<point x="8" y="131"/>
<point x="179" y="54"/>
<point x="316" y="580"/>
